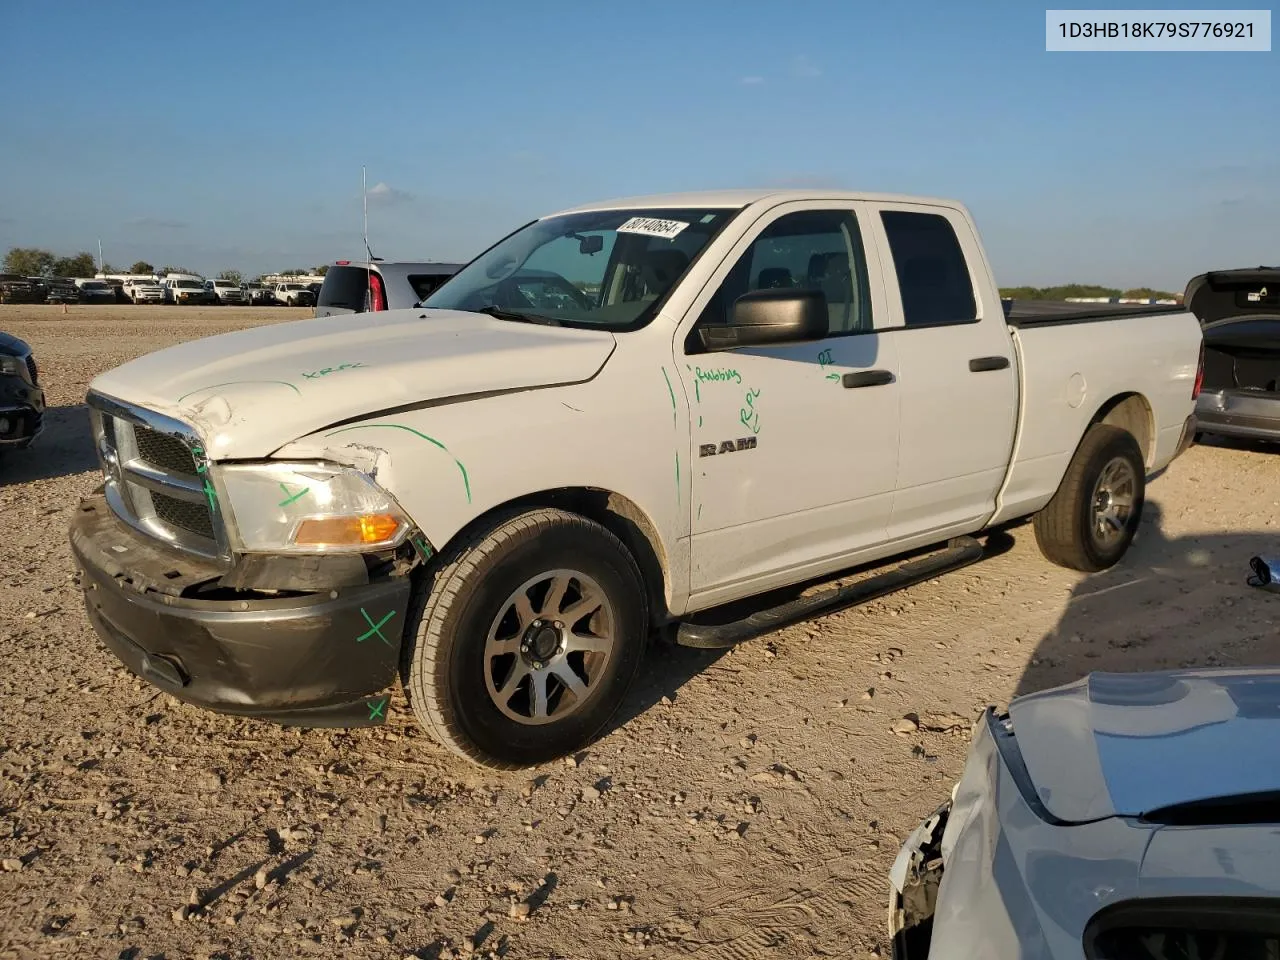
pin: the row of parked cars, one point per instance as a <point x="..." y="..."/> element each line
<point x="178" y="289"/>
<point x="190" y="290"/>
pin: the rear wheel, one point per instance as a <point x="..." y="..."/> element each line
<point x="521" y="647"/>
<point x="1092" y="519"/>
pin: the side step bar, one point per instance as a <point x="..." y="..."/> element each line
<point x="959" y="552"/>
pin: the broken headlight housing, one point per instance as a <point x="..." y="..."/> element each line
<point x="310" y="508"/>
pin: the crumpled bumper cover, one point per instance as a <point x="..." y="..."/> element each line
<point x="316" y="659"/>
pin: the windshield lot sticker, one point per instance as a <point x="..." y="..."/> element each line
<point x="316" y="375"/>
<point x="653" y="227"/>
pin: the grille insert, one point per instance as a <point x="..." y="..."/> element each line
<point x="183" y="514"/>
<point x="164" y="452"/>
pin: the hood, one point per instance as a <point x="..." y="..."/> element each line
<point x="1223" y="294"/>
<point x="250" y="392"/>
<point x="1127" y="744"/>
<point x="12" y="346"/>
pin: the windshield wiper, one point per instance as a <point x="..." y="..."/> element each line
<point x="500" y="314"/>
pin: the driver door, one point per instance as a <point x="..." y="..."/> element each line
<point x="795" y="446"/>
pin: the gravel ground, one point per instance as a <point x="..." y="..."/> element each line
<point x="745" y="805"/>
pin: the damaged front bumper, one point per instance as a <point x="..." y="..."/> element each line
<point x="309" y="656"/>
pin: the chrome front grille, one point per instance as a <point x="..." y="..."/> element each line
<point x="154" y="480"/>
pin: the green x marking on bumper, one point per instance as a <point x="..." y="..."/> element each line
<point x="374" y="628"/>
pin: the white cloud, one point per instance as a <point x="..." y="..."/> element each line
<point x="385" y="195"/>
<point x="751" y="81"/>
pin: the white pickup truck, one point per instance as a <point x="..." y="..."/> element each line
<point x="619" y="418"/>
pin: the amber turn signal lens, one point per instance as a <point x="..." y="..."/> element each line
<point x="366" y="530"/>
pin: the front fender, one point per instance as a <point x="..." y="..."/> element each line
<point x="450" y="463"/>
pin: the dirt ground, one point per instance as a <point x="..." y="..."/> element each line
<point x="745" y="805"/>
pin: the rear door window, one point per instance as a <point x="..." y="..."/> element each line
<point x="933" y="276"/>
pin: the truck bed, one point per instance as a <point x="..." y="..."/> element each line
<point x="1041" y="313"/>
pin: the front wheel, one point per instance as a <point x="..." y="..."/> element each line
<point x="522" y="646"/>
<point x="1092" y="519"/>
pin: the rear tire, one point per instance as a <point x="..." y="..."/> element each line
<point x="1092" y="519"/>
<point x="507" y="682"/>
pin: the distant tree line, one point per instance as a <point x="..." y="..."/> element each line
<point x="34" y="262"/>
<point x="1068" y="290"/>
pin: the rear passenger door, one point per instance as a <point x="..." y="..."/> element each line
<point x="958" y="389"/>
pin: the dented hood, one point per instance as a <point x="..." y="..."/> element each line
<point x="250" y="392"/>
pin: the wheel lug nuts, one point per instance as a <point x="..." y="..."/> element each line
<point x="559" y="625"/>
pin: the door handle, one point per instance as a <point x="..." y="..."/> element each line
<point x="982" y="364"/>
<point x="867" y="378"/>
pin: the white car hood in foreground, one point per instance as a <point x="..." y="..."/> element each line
<point x="250" y="392"/>
<point x="1126" y="744"/>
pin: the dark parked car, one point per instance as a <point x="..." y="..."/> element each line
<point x="257" y="294"/>
<point x="1239" y="311"/>
<point x="62" y="290"/>
<point x="355" y="286"/>
<point x="21" y="399"/>
<point x="96" y="291"/>
<point x="19" y="289"/>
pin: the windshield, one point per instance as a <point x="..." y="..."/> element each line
<point x="604" y="268"/>
<point x="94" y="285"/>
<point x="189" y="284"/>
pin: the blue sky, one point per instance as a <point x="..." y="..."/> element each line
<point x="234" y="136"/>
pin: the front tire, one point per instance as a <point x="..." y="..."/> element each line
<point x="521" y="647"/>
<point x="1092" y="519"/>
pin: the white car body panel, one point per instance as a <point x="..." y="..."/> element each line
<point x="1064" y="380"/>
<point x="1019" y="881"/>
<point x="838" y="477"/>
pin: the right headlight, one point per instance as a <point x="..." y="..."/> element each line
<point x="310" y="508"/>
<point x="13" y="366"/>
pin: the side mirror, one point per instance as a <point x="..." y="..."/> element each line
<point x="771" y="316"/>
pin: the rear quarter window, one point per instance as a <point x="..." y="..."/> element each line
<point x="344" y="287"/>
<point x="425" y="284"/>
<point x="933" y="276"/>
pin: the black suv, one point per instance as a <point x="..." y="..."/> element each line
<point x="18" y="289"/>
<point x="21" y="398"/>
